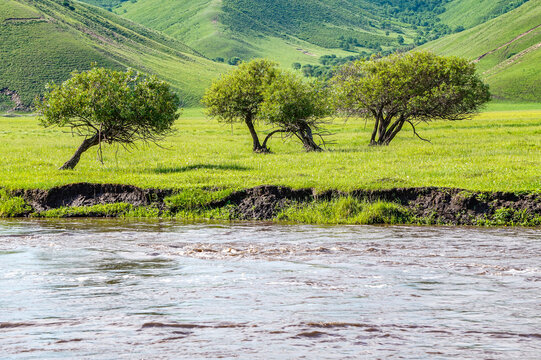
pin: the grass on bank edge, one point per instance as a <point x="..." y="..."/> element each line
<point x="196" y="205"/>
<point x="12" y="206"/>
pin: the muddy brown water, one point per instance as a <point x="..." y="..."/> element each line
<point x="163" y="290"/>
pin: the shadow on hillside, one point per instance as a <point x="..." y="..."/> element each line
<point x="181" y="169"/>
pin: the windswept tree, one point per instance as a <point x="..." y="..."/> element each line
<point x="237" y="96"/>
<point x="107" y="106"/>
<point x="296" y="108"/>
<point x="408" y="89"/>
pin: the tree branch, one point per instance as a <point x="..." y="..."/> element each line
<point x="415" y="132"/>
<point x="267" y="138"/>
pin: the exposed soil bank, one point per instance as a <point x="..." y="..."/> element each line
<point x="85" y="194"/>
<point x="437" y="205"/>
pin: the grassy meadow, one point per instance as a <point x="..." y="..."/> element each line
<point x="499" y="150"/>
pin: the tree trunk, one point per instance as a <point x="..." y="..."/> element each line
<point x="308" y="139"/>
<point x="391" y="134"/>
<point x="385" y="133"/>
<point x="256" y="144"/>
<point x="374" y="133"/>
<point x="87" y="144"/>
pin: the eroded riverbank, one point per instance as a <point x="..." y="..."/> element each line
<point x="427" y="205"/>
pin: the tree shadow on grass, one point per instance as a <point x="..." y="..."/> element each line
<point x="181" y="169"/>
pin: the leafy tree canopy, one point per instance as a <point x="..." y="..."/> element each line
<point x="237" y="96"/>
<point x="296" y="108"/>
<point x="409" y="88"/>
<point x="110" y="106"/>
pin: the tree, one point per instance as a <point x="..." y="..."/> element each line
<point x="107" y="106"/>
<point x="234" y="61"/>
<point x="237" y="96"/>
<point x="409" y="88"/>
<point x="295" y="108"/>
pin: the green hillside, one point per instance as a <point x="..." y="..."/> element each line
<point x="44" y="40"/>
<point x="507" y="50"/>
<point x="287" y="30"/>
<point x="469" y="13"/>
<point x="291" y="30"/>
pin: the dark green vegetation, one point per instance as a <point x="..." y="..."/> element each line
<point x="45" y="40"/>
<point x="108" y="106"/>
<point x="507" y="51"/>
<point x="409" y="88"/>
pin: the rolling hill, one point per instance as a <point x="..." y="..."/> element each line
<point x="507" y="50"/>
<point x="45" y="40"/>
<point x="294" y="30"/>
<point x="284" y="30"/>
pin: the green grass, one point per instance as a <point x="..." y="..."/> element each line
<point x="346" y="210"/>
<point x="511" y="217"/>
<point x="106" y="210"/>
<point x="469" y="13"/>
<point x="512" y="71"/>
<point x="497" y="151"/>
<point x="12" y="206"/>
<point x="192" y="199"/>
<point x="495" y="106"/>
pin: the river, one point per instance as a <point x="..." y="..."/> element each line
<point x="110" y="289"/>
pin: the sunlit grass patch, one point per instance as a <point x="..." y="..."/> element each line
<point x="192" y="199"/>
<point x="12" y="206"/>
<point x="346" y="210"/>
<point x="497" y="151"/>
<point x="105" y="210"/>
<point x="511" y="217"/>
